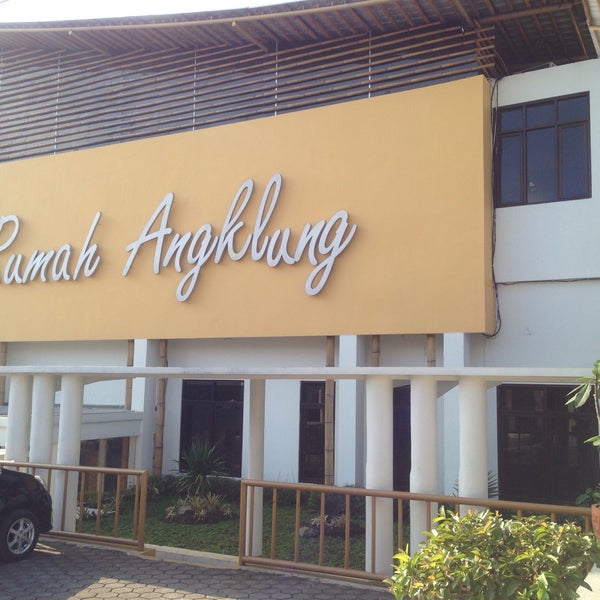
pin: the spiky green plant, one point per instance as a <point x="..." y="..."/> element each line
<point x="198" y="464"/>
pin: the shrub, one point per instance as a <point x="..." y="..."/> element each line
<point x="483" y="556"/>
<point x="228" y="487"/>
<point x="198" y="463"/>
<point x="199" y="509"/>
<point x="159" y="485"/>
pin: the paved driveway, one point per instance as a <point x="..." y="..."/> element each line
<point x="61" y="570"/>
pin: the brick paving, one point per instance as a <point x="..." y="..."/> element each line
<point x="62" y="570"/>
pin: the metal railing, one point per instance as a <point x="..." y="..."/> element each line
<point x="298" y="496"/>
<point x="96" y="513"/>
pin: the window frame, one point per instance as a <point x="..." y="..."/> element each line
<point x="521" y="134"/>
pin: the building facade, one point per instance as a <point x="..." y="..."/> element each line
<point x="384" y="219"/>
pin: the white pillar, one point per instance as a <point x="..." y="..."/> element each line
<point x="423" y="453"/>
<point x="379" y="470"/>
<point x="68" y="451"/>
<point x="143" y="399"/>
<point x="256" y="456"/>
<point x="473" y="459"/>
<point x="349" y="417"/>
<point x="19" y="418"/>
<point x="42" y="419"/>
<point x="456" y="354"/>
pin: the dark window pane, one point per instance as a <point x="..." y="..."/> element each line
<point x="228" y="391"/>
<point x="540" y="114"/>
<point x="573" y="109"/>
<point x="511" y="159"/>
<point x="541" y="166"/>
<point x="542" y="456"/>
<point x="212" y="413"/>
<point x="574" y="163"/>
<point x="312" y="432"/>
<point x="511" y="119"/>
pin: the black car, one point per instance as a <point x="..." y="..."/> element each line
<point x="25" y="512"/>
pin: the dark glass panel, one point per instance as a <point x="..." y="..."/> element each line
<point x="540" y="114"/>
<point x="312" y="432"/>
<point x="511" y="119"/>
<point x="212" y="413"/>
<point x="574" y="163"/>
<point x="511" y="159"/>
<point x="573" y="109"/>
<point x="542" y="454"/>
<point x="541" y="166"/>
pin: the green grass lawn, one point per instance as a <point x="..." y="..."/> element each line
<point x="223" y="537"/>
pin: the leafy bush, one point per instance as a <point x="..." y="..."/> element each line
<point x="198" y="463"/>
<point x="160" y="485"/>
<point x="589" y="496"/>
<point x="199" y="509"/>
<point x="335" y="504"/>
<point x="228" y="487"/>
<point x="482" y="556"/>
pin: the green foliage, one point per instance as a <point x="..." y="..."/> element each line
<point x="335" y="504"/>
<point x="589" y="388"/>
<point x="107" y="505"/>
<point x="482" y="556"/>
<point x="159" y="485"/>
<point x="285" y="497"/>
<point x="228" y="487"/>
<point x="199" y="463"/>
<point x="199" y="509"/>
<point x="589" y="497"/>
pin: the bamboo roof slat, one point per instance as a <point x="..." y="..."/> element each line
<point x="65" y="86"/>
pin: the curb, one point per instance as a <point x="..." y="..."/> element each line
<point x="194" y="557"/>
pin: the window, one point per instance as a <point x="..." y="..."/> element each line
<point x="543" y="152"/>
<point x="542" y="454"/>
<point x="312" y="432"/>
<point x="212" y="413"/>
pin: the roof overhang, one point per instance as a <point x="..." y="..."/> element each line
<point x="529" y="33"/>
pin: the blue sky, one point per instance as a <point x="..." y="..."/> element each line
<point x="58" y="10"/>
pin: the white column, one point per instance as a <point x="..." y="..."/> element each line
<point x="68" y="451"/>
<point x="456" y="354"/>
<point x="143" y="399"/>
<point x="473" y="459"/>
<point x="424" y="464"/>
<point x="19" y="418"/>
<point x="349" y="416"/>
<point x="379" y="470"/>
<point x="256" y="456"/>
<point x="42" y="419"/>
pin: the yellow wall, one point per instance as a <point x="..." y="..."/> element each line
<point x="411" y="169"/>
